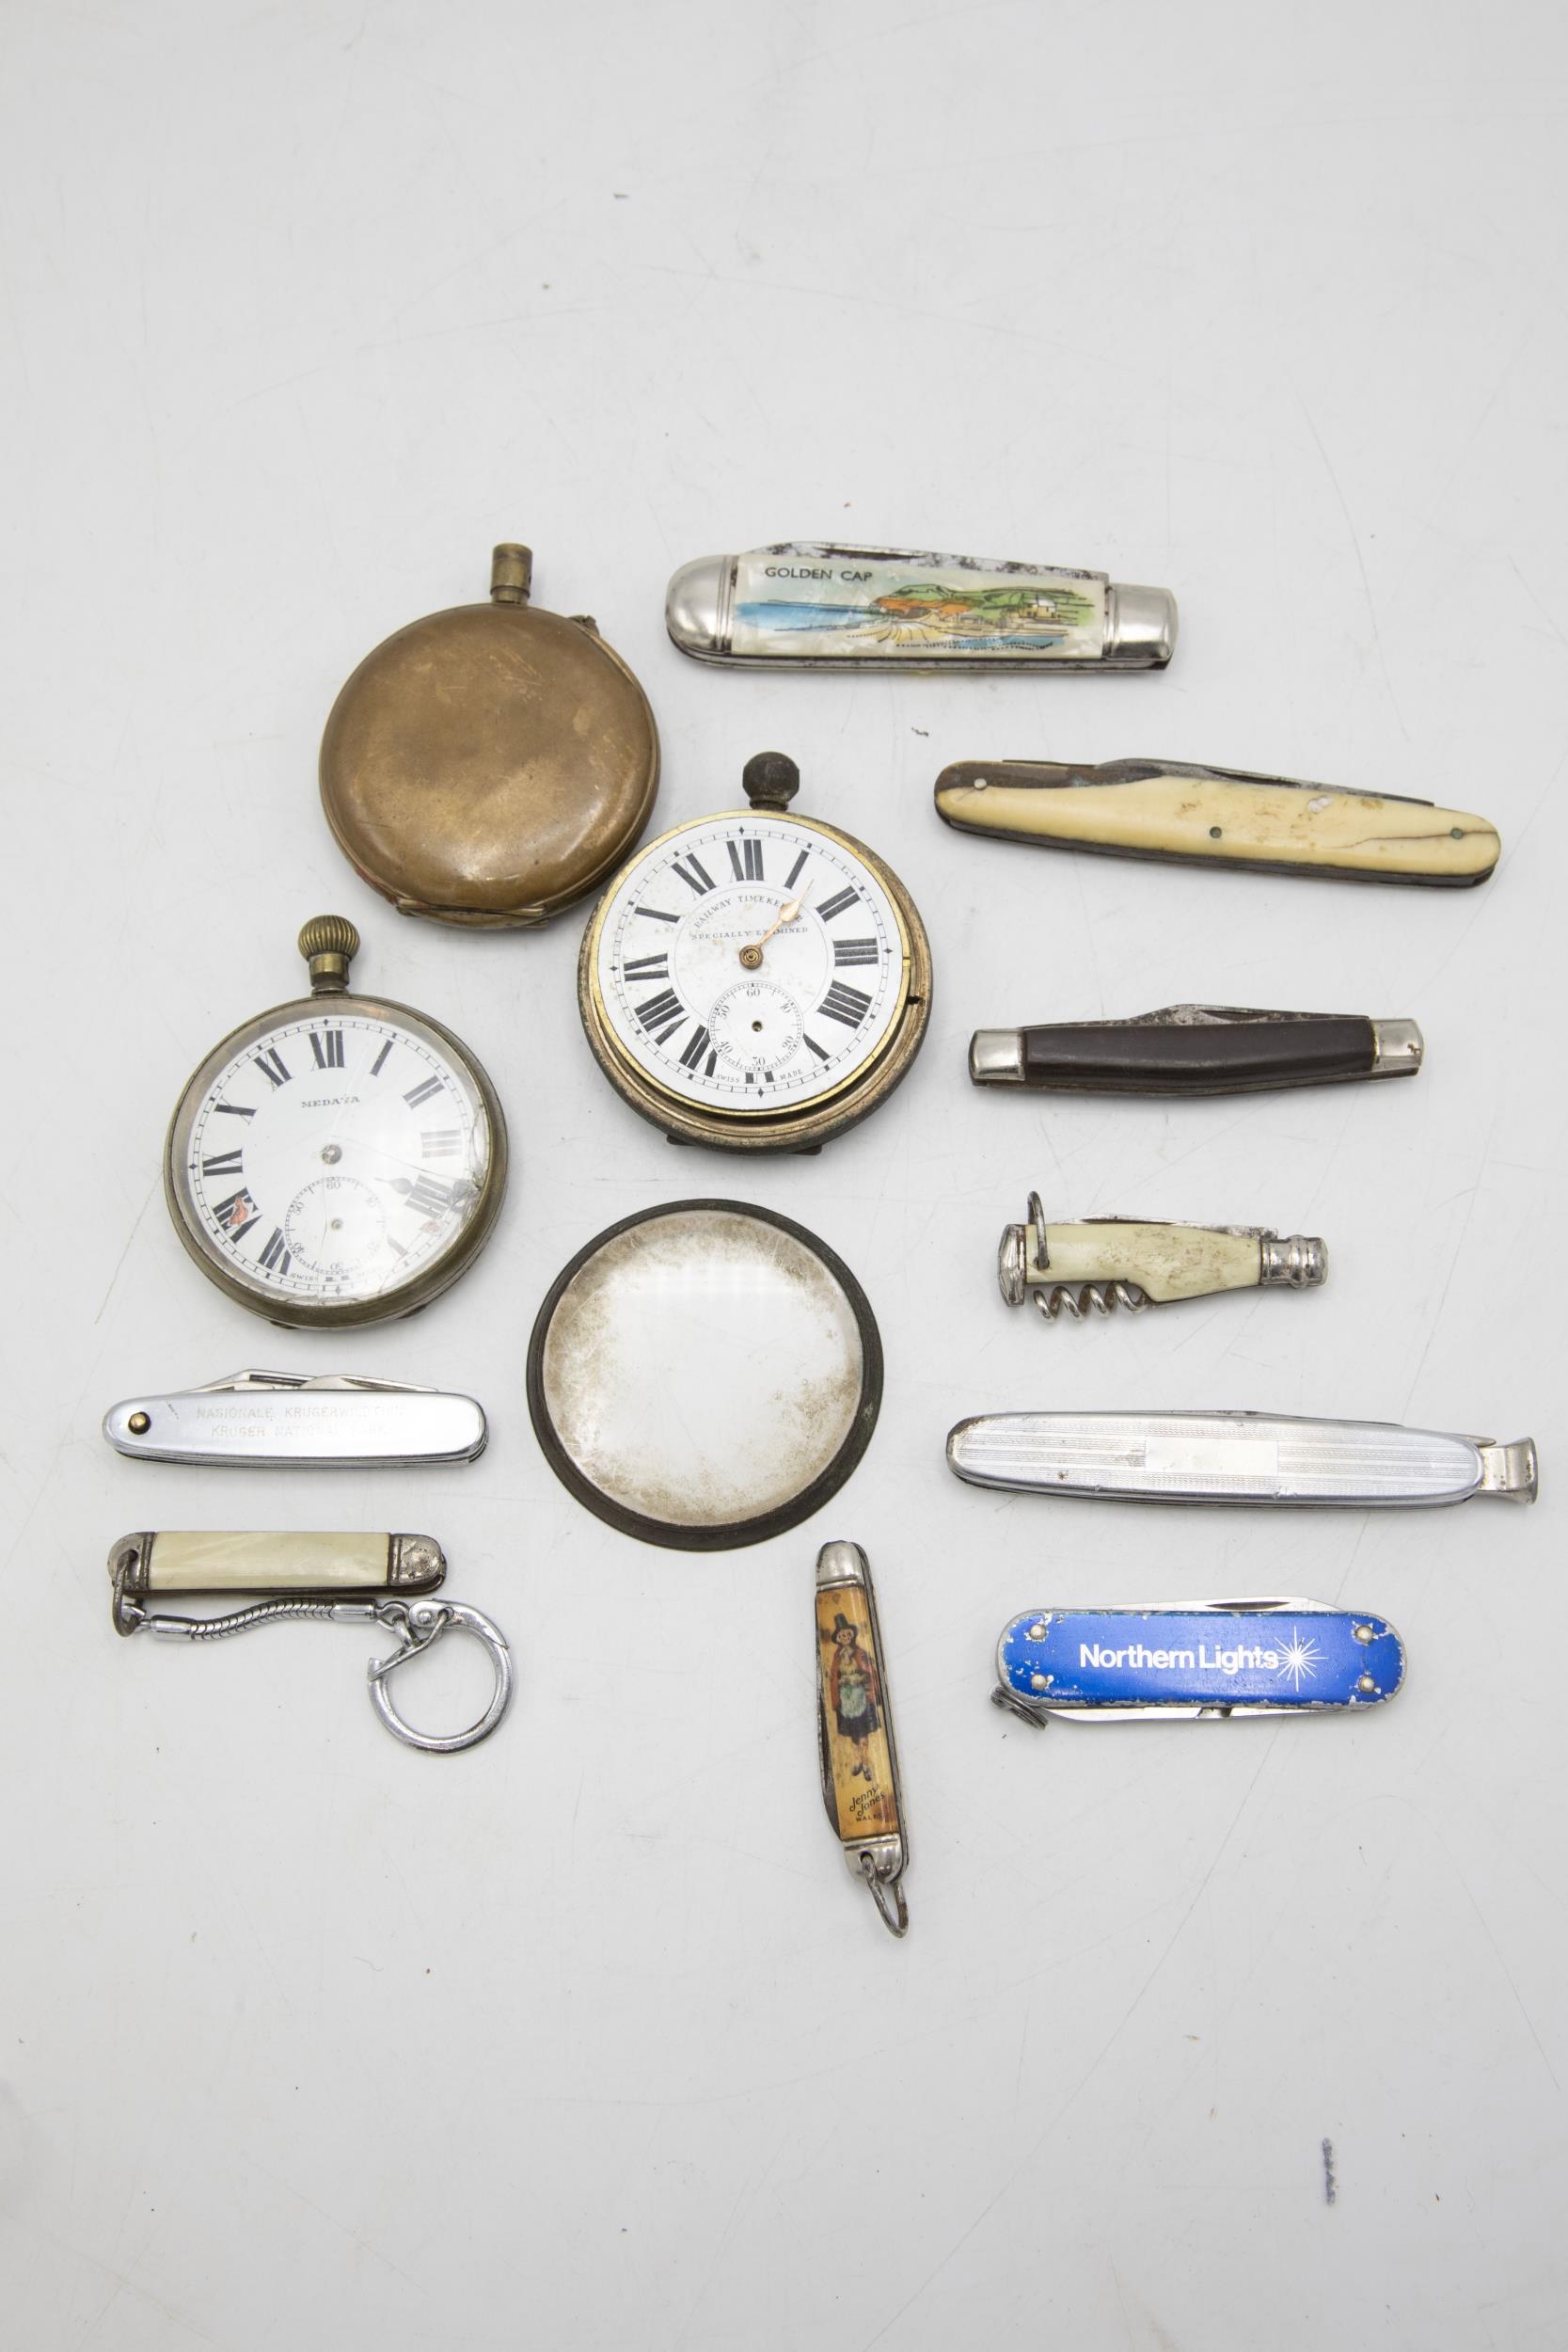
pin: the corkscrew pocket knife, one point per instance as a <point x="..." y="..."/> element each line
<point x="1166" y="808"/>
<point x="1235" y="1458"/>
<point x="323" y="1420"/>
<point x="1197" y="1049"/>
<point x="856" y="1750"/>
<point x="811" y="604"/>
<point x="1110" y="1262"/>
<point x="1196" y="1660"/>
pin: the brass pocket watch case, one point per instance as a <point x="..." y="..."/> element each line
<point x="753" y="979"/>
<point x="337" y="1160"/>
<point x="491" y="764"/>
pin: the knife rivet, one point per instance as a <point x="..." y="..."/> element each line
<point x="981" y="783"/>
<point x="1036" y="1633"/>
<point x="1039" y="1682"/>
<point x="1456" y="832"/>
<point x="1366" y="1683"/>
<point x="1214" y="833"/>
<point x="139" y="1424"/>
<point x="1363" y="1632"/>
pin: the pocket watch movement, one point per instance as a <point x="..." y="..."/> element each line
<point x="338" y="1160"/>
<point x="491" y="764"/>
<point x="756" y="980"/>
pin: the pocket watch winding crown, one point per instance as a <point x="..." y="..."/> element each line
<point x="329" y="943"/>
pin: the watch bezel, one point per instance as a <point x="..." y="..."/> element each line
<point x="732" y="1535"/>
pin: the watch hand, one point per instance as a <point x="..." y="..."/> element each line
<point x="786" y="913"/>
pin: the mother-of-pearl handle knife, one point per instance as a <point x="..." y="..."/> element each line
<point x="1197" y="1049"/>
<point x="1166" y="808"/>
<point x="272" y="1562"/>
<point x="1235" y="1458"/>
<point x="1108" y="1262"/>
<point x="1184" y="1662"/>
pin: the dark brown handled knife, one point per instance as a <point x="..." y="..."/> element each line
<point x="1197" y="1049"/>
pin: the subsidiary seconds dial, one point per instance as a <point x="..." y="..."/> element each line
<point x="756" y="980"/>
<point x="337" y="1160"/>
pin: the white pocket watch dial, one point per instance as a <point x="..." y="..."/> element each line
<point x="751" y="961"/>
<point x="336" y="1159"/>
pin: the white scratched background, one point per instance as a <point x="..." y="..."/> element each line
<point x="585" y="2038"/>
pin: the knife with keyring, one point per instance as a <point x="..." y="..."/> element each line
<point x="1188" y="1661"/>
<point x="1168" y="808"/>
<point x="1197" y="1049"/>
<point x="1235" y="1458"/>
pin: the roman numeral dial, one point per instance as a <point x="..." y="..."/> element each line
<point x="748" y="967"/>
<point x="328" y="1162"/>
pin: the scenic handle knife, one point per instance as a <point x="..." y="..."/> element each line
<point x="1205" y="1658"/>
<point x="856" y="1752"/>
<point x="320" y="1420"/>
<point x="1197" y="1049"/>
<point x="1166" y="808"/>
<point x="812" y="604"/>
<point x="1109" y="1261"/>
<point x="1235" y="1458"/>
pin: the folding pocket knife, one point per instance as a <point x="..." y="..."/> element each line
<point x="1194" y="1659"/>
<point x="815" y="604"/>
<point x="1167" y="809"/>
<point x="856" y="1750"/>
<point x="1109" y="1261"/>
<point x="324" y="1420"/>
<point x="1197" y="1049"/>
<point x="1235" y="1458"/>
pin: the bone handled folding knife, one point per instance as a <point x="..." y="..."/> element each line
<point x="811" y="604"/>
<point x="329" y="1421"/>
<point x="1166" y="808"/>
<point x="1197" y="1049"/>
<point x="1109" y="1261"/>
<point x="1196" y="1660"/>
<point x="1235" y="1458"/>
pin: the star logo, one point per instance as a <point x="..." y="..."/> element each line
<point x="1299" y="1657"/>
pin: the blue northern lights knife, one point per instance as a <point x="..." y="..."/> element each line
<point x="1211" y="1658"/>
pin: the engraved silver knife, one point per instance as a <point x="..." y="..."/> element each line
<point x="1235" y="1458"/>
<point x="324" y="1420"/>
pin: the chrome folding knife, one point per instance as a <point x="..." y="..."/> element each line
<point x="1191" y="1660"/>
<point x="1197" y="1049"/>
<point x="1109" y="1261"/>
<point x="1235" y="1458"/>
<point x="324" y="1420"/>
<point x="1167" y="809"/>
